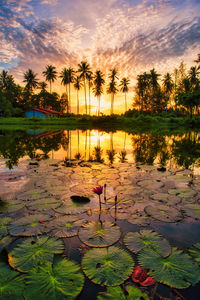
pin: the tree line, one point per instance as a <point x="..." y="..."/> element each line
<point x="178" y="91"/>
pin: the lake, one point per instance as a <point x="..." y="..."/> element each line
<point x="147" y="214"/>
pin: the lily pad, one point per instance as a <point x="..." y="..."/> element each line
<point x="183" y="193"/>
<point x="44" y="204"/>
<point x="177" y="270"/>
<point x="166" y="198"/>
<point x="116" y="293"/>
<point x="195" y="252"/>
<point x="34" y="251"/>
<point x="107" y="266"/>
<point x="99" y="234"/>
<point x="139" y="219"/>
<point x="136" y="241"/>
<point x="150" y="184"/>
<point x="164" y="213"/>
<point x="5" y="241"/>
<point x="11" y="283"/>
<point x="71" y="208"/>
<point x="65" y="226"/>
<point x="123" y="210"/>
<point x="192" y="210"/>
<point x="62" y="280"/>
<point x="11" y="206"/>
<point x="28" y="226"/>
<point x="4" y="221"/>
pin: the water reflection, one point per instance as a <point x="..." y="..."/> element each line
<point x="104" y="147"/>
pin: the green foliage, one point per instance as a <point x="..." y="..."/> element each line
<point x="11" y="283"/>
<point x="33" y="252"/>
<point x="116" y="293"/>
<point x="4" y="221"/>
<point x="136" y="241"/>
<point x="62" y="280"/>
<point x="177" y="270"/>
<point x="107" y="266"/>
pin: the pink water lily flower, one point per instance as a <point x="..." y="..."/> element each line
<point x="98" y="190"/>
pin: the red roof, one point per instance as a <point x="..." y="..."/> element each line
<point x="48" y="111"/>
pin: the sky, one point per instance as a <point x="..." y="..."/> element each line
<point x="132" y="35"/>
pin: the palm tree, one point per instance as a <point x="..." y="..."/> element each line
<point x="193" y="75"/>
<point x="70" y="77"/>
<point x="89" y="77"/>
<point x="30" y="79"/>
<point x="112" y="88"/>
<point x="64" y="81"/>
<point x="43" y="86"/>
<point x="98" y="86"/>
<point x="4" y="77"/>
<point x="84" y="69"/>
<point x="77" y="86"/>
<point x="50" y="74"/>
<point x="124" y="88"/>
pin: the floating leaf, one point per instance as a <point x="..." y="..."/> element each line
<point x="192" y="210"/>
<point x="99" y="234"/>
<point x="166" y="198"/>
<point x="28" y="226"/>
<point x="123" y="210"/>
<point x="71" y="208"/>
<point x="62" y="280"/>
<point x="140" y="276"/>
<point x="164" y="213"/>
<point x="5" y="241"/>
<point x="116" y="293"/>
<point x="139" y="219"/>
<point x="11" y="283"/>
<point x="44" y="204"/>
<point x="151" y="184"/>
<point x="3" y="225"/>
<point x="136" y="241"/>
<point x="34" y="251"/>
<point x="65" y="226"/>
<point x="195" y="252"/>
<point x="107" y="266"/>
<point x="183" y="193"/>
<point x="177" y="270"/>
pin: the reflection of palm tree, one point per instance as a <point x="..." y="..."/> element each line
<point x="124" y="88"/>
<point x="85" y="145"/>
<point x="98" y="154"/>
<point x="122" y="156"/>
<point x="112" y="87"/>
<point x="111" y="155"/>
<point x="50" y="74"/>
<point x="98" y="86"/>
<point x="84" y="70"/>
<point x="77" y="86"/>
<point x="30" y="79"/>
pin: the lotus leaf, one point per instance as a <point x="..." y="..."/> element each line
<point x="71" y="208"/>
<point x="164" y="213"/>
<point x="183" y="193"/>
<point x="44" y="204"/>
<point x="136" y="241"/>
<point x="116" y="293"/>
<point x="99" y="234"/>
<point x="150" y="184"/>
<point x="177" y="270"/>
<point x="28" y="226"/>
<point x="34" y="251"/>
<point x="195" y="252"/>
<point x="11" y="283"/>
<point x="192" y="210"/>
<point x="4" y="221"/>
<point x="139" y="219"/>
<point x="11" y="206"/>
<point x="107" y="266"/>
<point x="166" y="198"/>
<point x="5" y="241"/>
<point x="123" y="210"/>
<point x="65" y="226"/>
<point x="62" y="280"/>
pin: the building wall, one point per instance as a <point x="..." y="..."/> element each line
<point x="37" y="114"/>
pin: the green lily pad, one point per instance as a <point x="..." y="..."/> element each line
<point x="34" y="251"/>
<point x="71" y="208"/>
<point x="4" y="221"/>
<point x="99" y="234"/>
<point x="177" y="270"/>
<point x="184" y="193"/>
<point x="164" y="213"/>
<point x="28" y="226"/>
<point x="33" y="194"/>
<point x="62" y="280"/>
<point x="107" y="266"/>
<point x="44" y="204"/>
<point x="150" y="184"/>
<point x="123" y="211"/>
<point x="116" y="293"/>
<point x="166" y="198"/>
<point x="5" y="241"/>
<point x="65" y="226"/>
<point x="11" y="206"/>
<point x="195" y="252"/>
<point x="192" y="210"/>
<point x="139" y="219"/>
<point x="11" y="283"/>
<point x="136" y="241"/>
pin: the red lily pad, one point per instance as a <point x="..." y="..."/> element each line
<point x="140" y="276"/>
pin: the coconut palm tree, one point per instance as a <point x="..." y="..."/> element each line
<point x="194" y="77"/>
<point x="77" y="86"/>
<point x="98" y="86"/>
<point x="112" y="87"/>
<point x="124" y="88"/>
<point x="89" y="77"/>
<point x="31" y="80"/>
<point x="64" y="81"/>
<point x="70" y="77"/>
<point x="84" y="69"/>
<point x="43" y="86"/>
<point x="4" y="77"/>
<point x="50" y="74"/>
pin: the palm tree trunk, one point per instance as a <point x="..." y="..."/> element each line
<point x="69" y="99"/>
<point x="77" y="103"/>
<point x="98" y="105"/>
<point x="85" y="96"/>
<point x="125" y="103"/>
<point x="89" y="101"/>
<point x="50" y="86"/>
